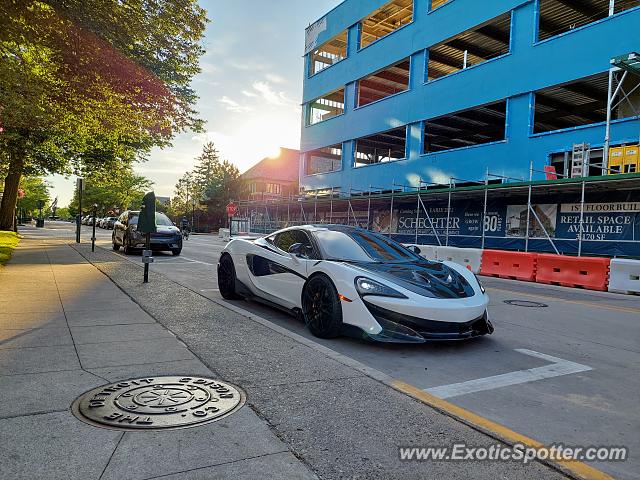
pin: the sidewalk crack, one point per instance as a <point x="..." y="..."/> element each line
<point x="111" y="456"/>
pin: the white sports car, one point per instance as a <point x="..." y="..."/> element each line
<point x="343" y="279"/>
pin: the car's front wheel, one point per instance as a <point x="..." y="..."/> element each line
<point x="176" y="251"/>
<point x="227" y="278"/>
<point x="321" y="307"/>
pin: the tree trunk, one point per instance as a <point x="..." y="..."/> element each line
<point x="10" y="195"/>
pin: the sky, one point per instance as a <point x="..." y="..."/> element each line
<point x="250" y="89"/>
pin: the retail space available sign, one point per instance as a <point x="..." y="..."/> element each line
<point x="601" y="221"/>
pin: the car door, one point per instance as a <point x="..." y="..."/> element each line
<point x="280" y="274"/>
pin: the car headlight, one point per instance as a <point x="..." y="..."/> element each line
<point x="366" y="286"/>
<point x="480" y="283"/>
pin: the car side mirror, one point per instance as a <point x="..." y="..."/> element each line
<point x="297" y="249"/>
<point x="415" y="249"/>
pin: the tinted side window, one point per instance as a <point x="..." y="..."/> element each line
<point x="284" y="240"/>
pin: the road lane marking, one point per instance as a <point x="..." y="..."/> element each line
<point x="558" y="367"/>
<point x="198" y="261"/>
<point x="495" y="430"/>
<point x="576" y="302"/>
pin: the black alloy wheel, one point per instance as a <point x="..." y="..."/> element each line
<point x="321" y="307"/>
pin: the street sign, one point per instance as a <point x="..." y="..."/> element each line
<point x="232" y="209"/>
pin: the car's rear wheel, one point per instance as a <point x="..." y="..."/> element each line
<point x="321" y="307"/>
<point x="227" y="278"/>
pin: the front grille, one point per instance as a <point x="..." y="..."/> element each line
<point x="425" y="326"/>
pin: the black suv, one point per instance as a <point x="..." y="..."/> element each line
<point x="126" y="235"/>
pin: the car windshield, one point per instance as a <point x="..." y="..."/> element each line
<point x="362" y="246"/>
<point x="161" y="219"/>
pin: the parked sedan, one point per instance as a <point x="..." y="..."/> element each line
<point x="126" y="235"/>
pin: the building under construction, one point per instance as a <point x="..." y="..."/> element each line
<point x="429" y="119"/>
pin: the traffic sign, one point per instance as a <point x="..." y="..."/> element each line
<point x="232" y="209"/>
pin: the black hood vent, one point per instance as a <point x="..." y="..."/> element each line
<point x="431" y="279"/>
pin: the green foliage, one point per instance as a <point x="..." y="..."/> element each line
<point x="212" y="183"/>
<point x="34" y="188"/>
<point x="89" y="85"/>
<point x="113" y="191"/>
<point x="63" y="213"/>
<point x="8" y="241"/>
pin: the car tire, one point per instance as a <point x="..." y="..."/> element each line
<point x="115" y="246"/>
<point x="321" y="307"/>
<point x="176" y="252"/>
<point x="227" y="278"/>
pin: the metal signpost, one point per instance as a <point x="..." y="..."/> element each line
<point x="232" y="209"/>
<point x="94" y="211"/>
<point x="147" y="225"/>
<point x="80" y="188"/>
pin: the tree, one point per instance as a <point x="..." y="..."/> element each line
<point x="34" y="189"/>
<point x="212" y="183"/>
<point x="117" y="191"/>
<point x="186" y="193"/>
<point x="90" y="85"/>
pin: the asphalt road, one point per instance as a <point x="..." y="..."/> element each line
<point x="562" y="372"/>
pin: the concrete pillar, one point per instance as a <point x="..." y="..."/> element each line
<point x="418" y="69"/>
<point x="414" y="140"/>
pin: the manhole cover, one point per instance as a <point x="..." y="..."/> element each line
<point x="158" y="403"/>
<point x="526" y="303"/>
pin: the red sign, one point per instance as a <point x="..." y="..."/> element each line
<point x="550" y="172"/>
<point x="21" y="193"/>
<point x="232" y="209"/>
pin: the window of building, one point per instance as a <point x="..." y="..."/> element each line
<point x="559" y="16"/>
<point x="438" y="3"/>
<point x="253" y="187"/>
<point x="474" y="126"/>
<point x="274" y="188"/>
<point x="381" y="147"/>
<point x="382" y="84"/>
<point x="475" y="46"/>
<point x="326" y="107"/>
<point x="329" y="53"/>
<point x="324" y="160"/>
<point x="385" y="20"/>
<point x="581" y="102"/>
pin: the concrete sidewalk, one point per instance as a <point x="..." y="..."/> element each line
<point x="66" y="328"/>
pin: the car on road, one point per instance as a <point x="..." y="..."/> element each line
<point x="125" y="234"/>
<point x="109" y="222"/>
<point x="342" y="279"/>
